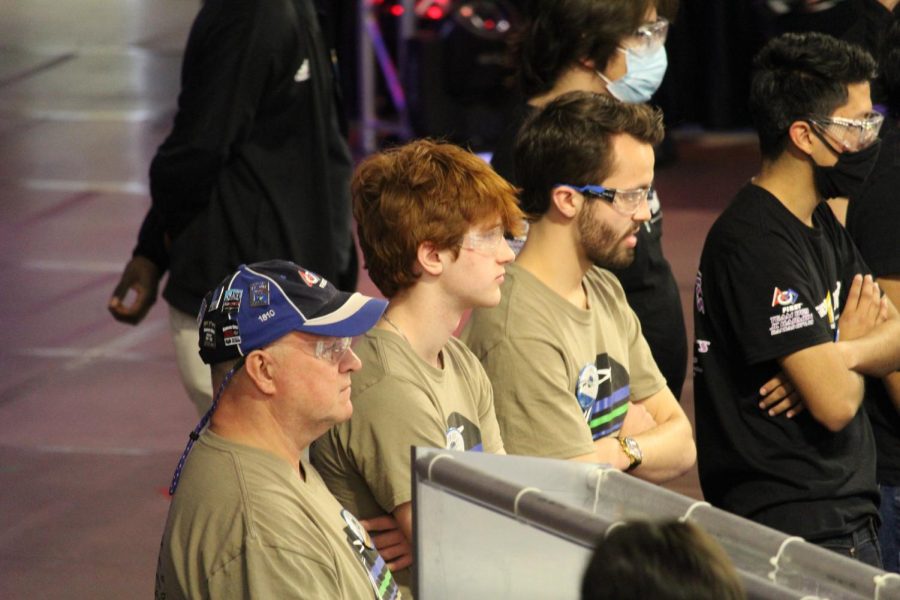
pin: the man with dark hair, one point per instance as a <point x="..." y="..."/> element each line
<point x="432" y="219"/>
<point x="784" y="300"/>
<point x="663" y="561"/>
<point x="250" y="518"/>
<point x="614" y="47"/>
<point x="573" y="376"/>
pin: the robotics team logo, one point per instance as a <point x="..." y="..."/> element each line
<point x="259" y="294"/>
<point x="379" y="575"/>
<point x="463" y="434"/>
<point x="602" y="390"/>
<point x="311" y="279"/>
<point x="784" y="297"/>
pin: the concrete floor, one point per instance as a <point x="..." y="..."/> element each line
<point x="92" y="414"/>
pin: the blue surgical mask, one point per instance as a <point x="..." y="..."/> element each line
<point x="640" y="82"/>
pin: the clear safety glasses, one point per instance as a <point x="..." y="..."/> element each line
<point x="852" y="134"/>
<point x="330" y="349"/>
<point x="485" y="242"/>
<point x="649" y="37"/>
<point x="627" y="202"/>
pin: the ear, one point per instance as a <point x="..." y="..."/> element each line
<point x="566" y="201"/>
<point x="801" y="135"/>
<point x="588" y="63"/>
<point x="429" y="258"/>
<point x="261" y="368"/>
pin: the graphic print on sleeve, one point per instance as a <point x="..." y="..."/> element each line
<point x="463" y="434"/>
<point x="602" y="391"/>
<point x="379" y="575"/>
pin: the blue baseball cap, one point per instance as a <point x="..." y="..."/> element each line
<point x="262" y="302"/>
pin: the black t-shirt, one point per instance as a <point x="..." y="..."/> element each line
<point x="873" y="220"/>
<point x="769" y="286"/>
<point x="648" y="282"/>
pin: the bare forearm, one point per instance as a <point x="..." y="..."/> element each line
<point x="876" y="354"/>
<point x="668" y="450"/>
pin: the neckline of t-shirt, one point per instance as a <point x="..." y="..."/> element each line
<point x="581" y="315"/>
<point x="815" y="231"/>
<point x="403" y="345"/>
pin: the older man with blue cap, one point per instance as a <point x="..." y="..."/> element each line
<point x="250" y="517"/>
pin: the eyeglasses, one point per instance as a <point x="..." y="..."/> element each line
<point x="330" y="349"/>
<point x="852" y="134"/>
<point x="649" y="37"/>
<point x="485" y="242"/>
<point x="626" y="202"/>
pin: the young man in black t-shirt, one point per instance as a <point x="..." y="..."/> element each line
<point x="783" y="300"/>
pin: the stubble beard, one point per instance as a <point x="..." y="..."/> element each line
<point x="602" y="244"/>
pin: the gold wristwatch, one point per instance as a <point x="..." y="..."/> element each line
<point x="632" y="451"/>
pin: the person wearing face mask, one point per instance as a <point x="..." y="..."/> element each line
<point x="786" y="306"/>
<point x="616" y="48"/>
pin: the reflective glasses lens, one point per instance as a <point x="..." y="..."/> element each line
<point x="852" y="134"/>
<point x="650" y="37"/>
<point x="486" y="242"/>
<point x="333" y="350"/>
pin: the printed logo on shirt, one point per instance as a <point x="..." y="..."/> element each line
<point x="703" y="346"/>
<point x="462" y="434"/>
<point x="302" y="73"/>
<point x="794" y="315"/>
<point x="784" y="297"/>
<point x="379" y="575"/>
<point x="698" y="294"/>
<point x="602" y="392"/>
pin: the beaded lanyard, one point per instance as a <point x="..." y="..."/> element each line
<point x="195" y="434"/>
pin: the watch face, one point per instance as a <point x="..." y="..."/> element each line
<point x="634" y="449"/>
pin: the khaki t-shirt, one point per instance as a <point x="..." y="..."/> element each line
<point x="400" y="401"/>
<point x="242" y="524"/>
<point x="562" y="375"/>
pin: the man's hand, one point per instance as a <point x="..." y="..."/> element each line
<point x="863" y="309"/>
<point x="140" y="279"/>
<point x="637" y="420"/>
<point x="780" y="396"/>
<point x="390" y="542"/>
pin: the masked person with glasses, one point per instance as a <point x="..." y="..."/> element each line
<point x="614" y="47"/>
<point x="432" y="219"/>
<point x="572" y="373"/>
<point x="250" y="517"/>
<point x="785" y="303"/>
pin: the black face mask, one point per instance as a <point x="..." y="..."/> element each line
<point x="848" y="175"/>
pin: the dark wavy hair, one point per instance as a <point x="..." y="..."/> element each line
<point x="801" y="74"/>
<point x="569" y="141"/>
<point x="558" y="33"/>
<point x="664" y="561"/>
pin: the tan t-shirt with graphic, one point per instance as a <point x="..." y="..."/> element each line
<point x="400" y="401"/>
<point x="562" y="375"/>
<point x="243" y="524"/>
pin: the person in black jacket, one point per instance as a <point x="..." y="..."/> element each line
<point x="256" y="167"/>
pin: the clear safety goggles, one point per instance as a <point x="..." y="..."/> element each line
<point x="852" y="134"/>
<point x="485" y="242"/>
<point x="626" y="202"/>
<point x="649" y="37"/>
<point x="330" y="349"/>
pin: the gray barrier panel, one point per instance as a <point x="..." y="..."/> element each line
<point x="523" y="527"/>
